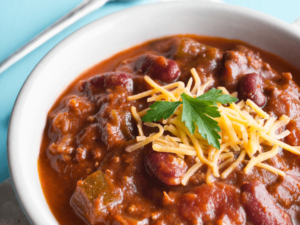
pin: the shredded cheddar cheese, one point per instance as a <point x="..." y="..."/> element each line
<point x="245" y="127"/>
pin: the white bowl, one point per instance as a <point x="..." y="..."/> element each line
<point x="100" y="40"/>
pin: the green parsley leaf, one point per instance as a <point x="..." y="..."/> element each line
<point x="160" y="110"/>
<point x="215" y="95"/>
<point x="199" y="112"/>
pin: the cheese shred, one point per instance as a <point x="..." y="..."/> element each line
<point x="247" y="132"/>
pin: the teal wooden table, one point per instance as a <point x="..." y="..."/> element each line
<point x="21" y="20"/>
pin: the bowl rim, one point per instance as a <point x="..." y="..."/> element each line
<point x="27" y="207"/>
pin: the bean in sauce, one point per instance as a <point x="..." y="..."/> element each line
<point x="88" y="177"/>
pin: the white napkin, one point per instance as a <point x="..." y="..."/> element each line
<point x="297" y="23"/>
<point x="10" y="210"/>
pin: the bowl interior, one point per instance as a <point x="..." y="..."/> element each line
<point x="105" y="37"/>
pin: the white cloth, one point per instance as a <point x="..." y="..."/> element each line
<point x="10" y="210"/>
<point x="297" y="22"/>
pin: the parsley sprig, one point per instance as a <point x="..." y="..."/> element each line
<point x="198" y="111"/>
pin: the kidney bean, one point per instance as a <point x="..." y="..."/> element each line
<point x="249" y="87"/>
<point x="166" y="167"/>
<point x="158" y="67"/>
<point x="260" y="207"/>
<point x="109" y="80"/>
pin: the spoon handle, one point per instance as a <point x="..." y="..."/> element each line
<point x="71" y="17"/>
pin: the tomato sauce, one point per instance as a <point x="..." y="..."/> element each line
<point x="90" y="124"/>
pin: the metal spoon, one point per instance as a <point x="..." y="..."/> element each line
<point x="86" y="7"/>
<point x="77" y="13"/>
